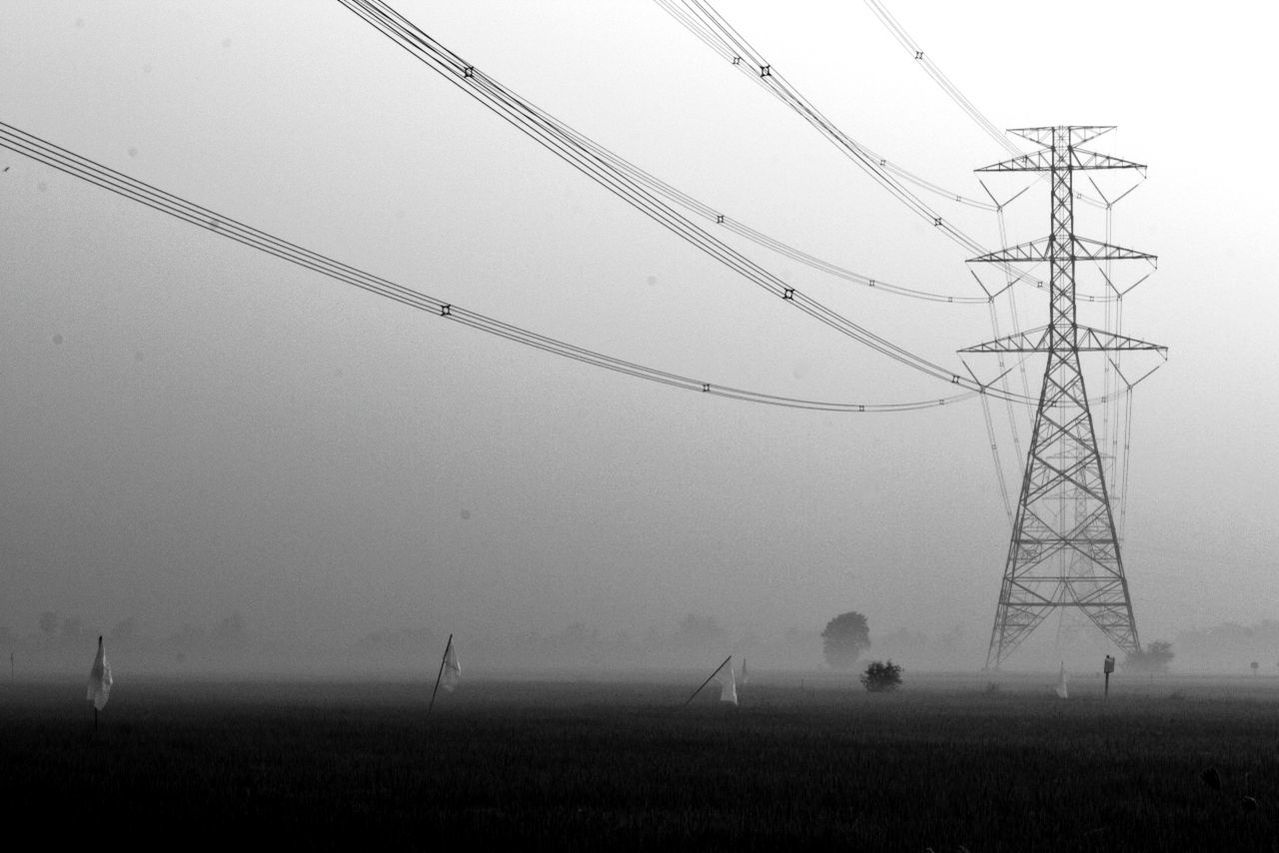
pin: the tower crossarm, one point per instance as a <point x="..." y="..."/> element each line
<point x="1036" y="251"/>
<point x="1030" y="340"/>
<point x="1099" y="340"/>
<point x="1087" y="339"/>
<point x="1095" y="250"/>
<point x="1042" y="161"/>
<point x="1083" y="249"/>
<point x="1079" y="134"/>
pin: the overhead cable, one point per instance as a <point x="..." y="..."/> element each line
<point x="94" y="173"/>
<point x="714" y="30"/>
<point x="705" y="22"/>
<point x="925" y="61"/>
<point x="565" y="143"/>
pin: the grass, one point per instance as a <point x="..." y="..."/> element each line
<point x="589" y="765"/>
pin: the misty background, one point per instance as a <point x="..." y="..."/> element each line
<point x="220" y="460"/>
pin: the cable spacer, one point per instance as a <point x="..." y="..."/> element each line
<point x="446" y="310"/>
<point x="706" y="386"/>
<point x="468" y="71"/>
<point x="789" y="293"/>
<point x="766" y="71"/>
<point x="719" y="219"/>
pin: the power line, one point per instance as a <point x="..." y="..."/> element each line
<point x="715" y="31"/>
<point x="925" y="61"/>
<point x="130" y="188"/>
<point x="712" y="214"/>
<point x="563" y="141"/>
<point x="700" y="18"/>
<point x="939" y="77"/>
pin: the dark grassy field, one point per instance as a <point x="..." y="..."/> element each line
<point x="588" y="765"/>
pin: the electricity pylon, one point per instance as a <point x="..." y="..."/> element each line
<point x="1064" y="551"/>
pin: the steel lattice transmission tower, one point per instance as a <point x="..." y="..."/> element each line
<point x="1064" y="551"/>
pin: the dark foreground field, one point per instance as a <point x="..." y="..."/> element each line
<point x="594" y="765"/>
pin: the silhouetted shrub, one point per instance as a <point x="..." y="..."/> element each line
<point x="882" y="677"/>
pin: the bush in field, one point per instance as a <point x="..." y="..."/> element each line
<point x="881" y="677"/>
<point x="1154" y="658"/>
<point x="844" y="639"/>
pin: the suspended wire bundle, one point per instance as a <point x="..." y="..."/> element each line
<point x="1112" y="421"/>
<point x="703" y="21"/>
<point x="711" y="28"/>
<point x="594" y="163"/>
<point x="1013" y="426"/>
<point x="708" y="25"/>
<point x="711" y="214"/>
<point x="939" y="77"/>
<point x="1119" y="454"/>
<point x="94" y="173"/>
<point x="952" y="91"/>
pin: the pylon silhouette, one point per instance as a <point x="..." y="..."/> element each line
<point x="1064" y="551"/>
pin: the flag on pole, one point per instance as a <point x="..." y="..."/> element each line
<point x="452" y="673"/>
<point x="728" y="686"/>
<point x="1061" y="681"/>
<point x="727" y="682"/>
<point x="99" y="679"/>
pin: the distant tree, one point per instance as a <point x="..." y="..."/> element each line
<point x="844" y="639"/>
<point x="881" y="677"/>
<point x="48" y="623"/>
<point x="1154" y="658"/>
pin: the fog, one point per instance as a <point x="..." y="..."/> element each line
<point x="253" y="466"/>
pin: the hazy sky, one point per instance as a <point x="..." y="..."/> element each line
<point x="188" y="427"/>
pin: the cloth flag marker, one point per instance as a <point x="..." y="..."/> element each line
<point x="99" y="682"/>
<point x="450" y="672"/>
<point x="728" y="684"/>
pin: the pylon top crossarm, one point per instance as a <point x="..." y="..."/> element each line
<point x="1079" y="134"/>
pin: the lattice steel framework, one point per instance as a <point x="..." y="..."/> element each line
<point x="1064" y="551"/>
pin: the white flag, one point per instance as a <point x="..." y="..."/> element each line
<point x="99" y="679"/>
<point x="727" y="683"/>
<point x="452" y="673"/>
<point x="1061" y="681"/>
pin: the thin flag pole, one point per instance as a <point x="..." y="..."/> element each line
<point x="707" y="681"/>
<point x="439" y="675"/>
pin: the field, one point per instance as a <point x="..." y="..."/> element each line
<point x="943" y="763"/>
